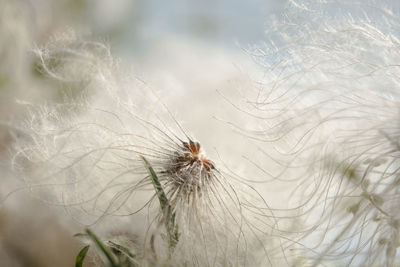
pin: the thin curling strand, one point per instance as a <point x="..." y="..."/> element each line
<point x="85" y="155"/>
<point x="330" y="104"/>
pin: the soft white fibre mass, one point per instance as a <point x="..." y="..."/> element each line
<point x="298" y="162"/>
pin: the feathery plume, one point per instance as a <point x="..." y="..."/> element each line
<point x="86" y="155"/>
<point x="330" y="104"/>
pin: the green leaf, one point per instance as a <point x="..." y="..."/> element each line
<point x="81" y="235"/>
<point x="122" y="249"/>
<point x="164" y="203"/>
<point x="81" y="256"/>
<point x="168" y="215"/>
<point x="103" y="248"/>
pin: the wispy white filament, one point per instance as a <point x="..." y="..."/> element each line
<point x="331" y="94"/>
<point x="84" y="154"/>
<point x="321" y="128"/>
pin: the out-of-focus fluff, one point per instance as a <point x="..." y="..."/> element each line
<point x="331" y="96"/>
<point x="84" y="154"/>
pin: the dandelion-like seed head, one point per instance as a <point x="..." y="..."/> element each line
<point x="191" y="165"/>
<point x="116" y="150"/>
<point x="189" y="170"/>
